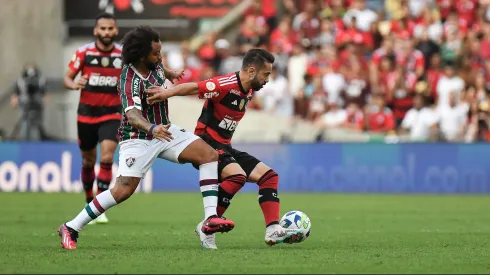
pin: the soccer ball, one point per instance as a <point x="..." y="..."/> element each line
<point x="297" y="220"/>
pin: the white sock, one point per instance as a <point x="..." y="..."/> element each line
<point x="208" y="181"/>
<point x="95" y="208"/>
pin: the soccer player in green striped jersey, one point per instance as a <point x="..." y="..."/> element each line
<point x="145" y="134"/>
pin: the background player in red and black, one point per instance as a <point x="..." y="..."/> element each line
<point x="99" y="110"/>
<point x="226" y="102"/>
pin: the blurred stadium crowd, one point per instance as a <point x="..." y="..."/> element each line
<point x="418" y="68"/>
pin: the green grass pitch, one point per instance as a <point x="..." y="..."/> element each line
<point x="153" y="233"/>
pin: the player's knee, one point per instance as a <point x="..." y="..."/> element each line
<point x="123" y="189"/>
<point x="88" y="161"/>
<point x="207" y="156"/>
<point x="270" y="179"/>
<point x="107" y="157"/>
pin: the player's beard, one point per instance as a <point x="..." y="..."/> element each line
<point x="150" y="65"/>
<point x="106" y="41"/>
<point x="256" y="85"/>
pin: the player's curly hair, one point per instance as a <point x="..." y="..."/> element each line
<point x="137" y="44"/>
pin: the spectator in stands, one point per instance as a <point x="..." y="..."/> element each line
<point x="368" y="59"/>
<point x="379" y="118"/>
<point x="420" y="121"/>
<point x="452" y="119"/>
<point x="449" y="83"/>
<point x="275" y="97"/>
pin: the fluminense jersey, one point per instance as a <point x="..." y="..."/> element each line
<point x="132" y="87"/>
<point x="225" y="105"/>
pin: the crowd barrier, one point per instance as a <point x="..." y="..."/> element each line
<point x="326" y="167"/>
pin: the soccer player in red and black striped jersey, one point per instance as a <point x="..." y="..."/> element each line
<point x="226" y="102"/>
<point x="145" y="134"/>
<point x="99" y="109"/>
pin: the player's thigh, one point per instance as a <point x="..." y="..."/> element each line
<point x="227" y="165"/>
<point x="136" y="157"/>
<point x="88" y="136"/>
<point x="87" y="142"/>
<point x="188" y="148"/>
<point x="246" y="161"/>
<point x="108" y="139"/>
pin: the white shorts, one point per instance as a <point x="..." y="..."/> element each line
<point x="136" y="156"/>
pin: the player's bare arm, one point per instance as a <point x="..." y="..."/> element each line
<point x="158" y="94"/>
<point x="173" y="74"/>
<point x="70" y="83"/>
<point x="137" y="120"/>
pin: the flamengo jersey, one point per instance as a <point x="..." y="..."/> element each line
<point x="225" y="105"/>
<point x="132" y="90"/>
<point x="99" y="100"/>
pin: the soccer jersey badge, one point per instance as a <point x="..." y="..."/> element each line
<point x="242" y="104"/>
<point x="210" y="86"/>
<point x="105" y="61"/>
<point x="160" y="73"/>
<point x="130" y="161"/>
<point x="117" y="63"/>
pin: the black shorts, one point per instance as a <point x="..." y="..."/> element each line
<point x="228" y="154"/>
<point x="89" y="135"/>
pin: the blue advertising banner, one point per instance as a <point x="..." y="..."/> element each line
<point x="362" y="168"/>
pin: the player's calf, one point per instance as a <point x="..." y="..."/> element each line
<point x="234" y="179"/>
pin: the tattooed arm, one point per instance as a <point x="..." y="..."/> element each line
<point x="137" y="120"/>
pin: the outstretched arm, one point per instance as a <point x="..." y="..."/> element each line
<point x="158" y="94"/>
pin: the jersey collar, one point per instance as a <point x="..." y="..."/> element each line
<point x="240" y="84"/>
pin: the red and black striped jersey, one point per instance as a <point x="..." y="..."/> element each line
<point x="99" y="100"/>
<point x="225" y="105"/>
<point x="132" y="91"/>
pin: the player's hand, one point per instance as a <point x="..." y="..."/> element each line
<point x="157" y="94"/>
<point x="162" y="133"/>
<point x="81" y="82"/>
<point x="176" y="75"/>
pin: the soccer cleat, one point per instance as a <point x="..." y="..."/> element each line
<point x="102" y="219"/>
<point x="215" y="224"/>
<point x="276" y="234"/>
<point x="68" y="236"/>
<point x="207" y="241"/>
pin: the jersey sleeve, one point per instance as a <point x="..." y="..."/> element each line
<point x="130" y="92"/>
<point x="209" y="89"/>
<point x="76" y="62"/>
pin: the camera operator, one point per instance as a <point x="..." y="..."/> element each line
<point x="29" y="96"/>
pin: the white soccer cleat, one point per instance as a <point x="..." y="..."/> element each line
<point x="102" y="219"/>
<point x="207" y="241"/>
<point x="276" y="234"/>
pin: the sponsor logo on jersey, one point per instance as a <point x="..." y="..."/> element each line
<point x="136" y="86"/>
<point x="233" y="91"/>
<point x="100" y="80"/>
<point x="210" y="95"/>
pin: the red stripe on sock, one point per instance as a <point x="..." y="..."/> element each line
<point x="233" y="184"/>
<point x="98" y="206"/>
<point x="88" y="175"/>
<point x="208" y="182"/>
<point x="105" y="172"/>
